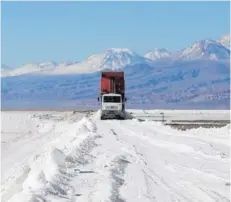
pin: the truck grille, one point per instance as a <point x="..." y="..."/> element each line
<point x="111" y="107"/>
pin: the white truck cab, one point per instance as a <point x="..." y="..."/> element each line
<point x="112" y="106"/>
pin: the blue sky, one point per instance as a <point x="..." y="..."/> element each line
<point x="62" y="31"/>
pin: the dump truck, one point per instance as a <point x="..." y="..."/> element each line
<point x="112" y="95"/>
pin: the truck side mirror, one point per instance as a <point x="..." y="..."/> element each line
<point x="98" y="98"/>
<point x="125" y="99"/>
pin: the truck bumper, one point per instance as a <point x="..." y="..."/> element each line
<point x="106" y="114"/>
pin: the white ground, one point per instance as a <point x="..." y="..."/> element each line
<point x="61" y="156"/>
<point x="182" y="115"/>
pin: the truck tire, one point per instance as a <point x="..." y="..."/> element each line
<point x="121" y="118"/>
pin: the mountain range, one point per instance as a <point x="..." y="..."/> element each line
<point x="197" y="77"/>
<point x="116" y="58"/>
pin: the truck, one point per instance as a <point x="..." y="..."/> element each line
<point x="112" y="95"/>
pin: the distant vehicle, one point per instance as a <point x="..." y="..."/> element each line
<point x="112" y="95"/>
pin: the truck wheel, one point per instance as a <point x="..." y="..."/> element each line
<point x="101" y="118"/>
<point x="121" y="118"/>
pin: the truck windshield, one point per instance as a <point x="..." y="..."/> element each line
<point x="115" y="99"/>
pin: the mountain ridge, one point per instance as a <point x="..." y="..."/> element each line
<point x="180" y="84"/>
<point x="115" y="59"/>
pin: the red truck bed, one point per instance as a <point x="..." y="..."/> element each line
<point x="112" y="82"/>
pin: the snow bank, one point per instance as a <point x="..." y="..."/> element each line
<point x="39" y="165"/>
<point x="214" y="132"/>
<point x="96" y="115"/>
<point x="45" y="176"/>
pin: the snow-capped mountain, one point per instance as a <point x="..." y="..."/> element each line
<point x="30" y="68"/>
<point x="64" y="64"/>
<point x="225" y="41"/>
<point x="157" y="53"/>
<point x="117" y="58"/>
<point x="112" y="59"/>
<point x="5" y="70"/>
<point x="204" y="49"/>
<point x="5" y="67"/>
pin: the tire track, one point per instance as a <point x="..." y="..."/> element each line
<point x="117" y="172"/>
